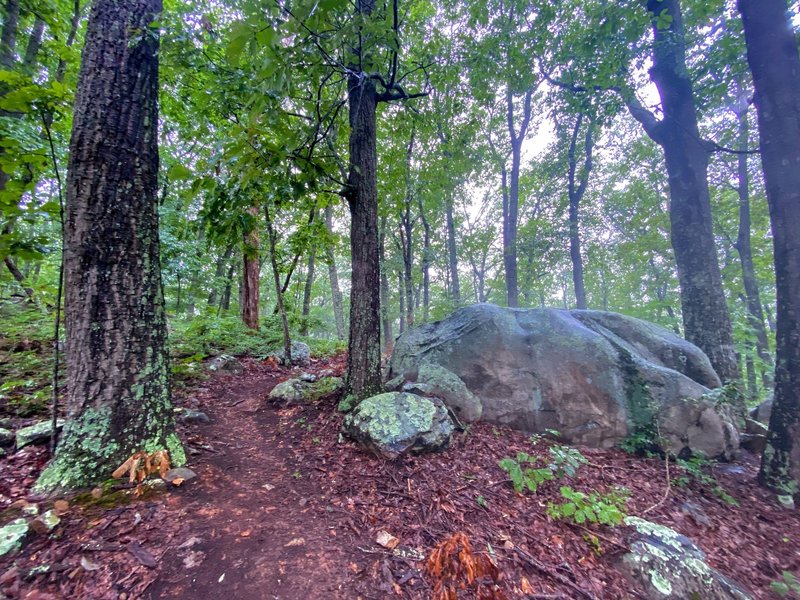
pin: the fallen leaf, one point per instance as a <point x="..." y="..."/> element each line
<point x="526" y="587"/>
<point x="142" y="555"/>
<point x="193" y="559"/>
<point x="97" y="493"/>
<point x="387" y="540"/>
<point x="295" y="542"/>
<point x="246" y="533"/>
<point x="89" y="565"/>
<point x="60" y="507"/>
<point x="178" y="481"/>
<point x="192" y="541"/>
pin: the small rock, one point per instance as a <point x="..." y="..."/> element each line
<point x="6" y="437"/>
<point x="192" y="417"/>
<point x="6" y="423"/>
<point x="181" y="473"/>
<point x="193" y="559"/>
<point x="730" y="469"/>
<point x="61" y="507"/>
<point x="12" y="536"/>
<point x="301" y="354"/>
<point x="753" y="442"/>
<point x="295" y="542"/>
<point x="786" y="501"/>
<point x="289" y="391"/>
<point x="38" y="433"/>
<point x="327" y="373"/>
<point x="30" y="510"/>
<point x="88" y="565"/>
<point x="226" y="363"/>
<point x="45" y="523"/>
<point x="308" y="377"/>
<point x="696" y="513"/>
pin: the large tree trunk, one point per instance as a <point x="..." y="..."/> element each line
<point x="774" y="61"/>
<point x="364" y="346"/>
<point x="250" y="275"/>
<point x="118" y="397"/>
<point x="451" y="249"/>
<point x="333" y="277"/>
<point x="743" y="247"/>
<point x="576" y="193"/>
<point x="705" y="313"/>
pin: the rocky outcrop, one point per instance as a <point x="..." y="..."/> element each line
<point x="665" y="565"/>
<point x="397" y="423"/>
<point x="596" y="377"/>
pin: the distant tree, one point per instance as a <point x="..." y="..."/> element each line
<point x="775" y="64"/>
<point x="118" y="396"/>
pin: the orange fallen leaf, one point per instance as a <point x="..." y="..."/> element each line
<point x="178" y="481"/>
<point x="246" y="533"/>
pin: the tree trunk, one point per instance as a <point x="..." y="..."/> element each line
<point x="753" y="298"/>
<point x="575" y="194"/>
<point x="386" y="320"/>
<point x="451" y="249"/>
<point x="426" y="266"/>
<point x="774" y="61"/>
<point x="407" y="235"/>
<point x="401" y="289"/>
<point x="250" y="275"/>
<point x="705" y="313"/>
<point x="273" y="259"/>
<point x="219" y="272"/>
<point x="364" y="346"/>
<point x="118" y="397"/>
<point x="225" y="301"/>
<point x="333" y="277"/>
<point x="307" y="289"/>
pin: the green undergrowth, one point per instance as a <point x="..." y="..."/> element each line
<point x="26" y="360"/>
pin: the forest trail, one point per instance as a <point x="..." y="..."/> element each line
<point x="254" y="524"/>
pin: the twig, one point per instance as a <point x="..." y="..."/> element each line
<point x="666" y="491"/>
<point x="537" y="564"/>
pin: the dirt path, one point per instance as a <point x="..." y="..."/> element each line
<point x="253" y="525"/>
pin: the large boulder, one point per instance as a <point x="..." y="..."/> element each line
<point x="597" y="377"/>
<point x="665" y="565"/>
<point x="396" y="423"/>
<point x="435" y="380"/>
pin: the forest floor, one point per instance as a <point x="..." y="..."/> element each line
<point x="283" y="508"/>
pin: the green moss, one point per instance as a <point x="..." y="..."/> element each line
<point x="385" y="422"/>
<point x="641" y="408"/>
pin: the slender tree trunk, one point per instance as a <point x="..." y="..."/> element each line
<point x="219" y="272"/>
<point x="743" y="247"/>
<point x="401" y="288"/>
<point x="225" y="301"/>
<point x="451" y="249"/>
<point x="333" y="277"/>
<point x="775" y="64"/>
<point x="250" y="275"/>
<point x="364" y="346"/>
<point x="8" y="38"/>
<point x="407" y="235"/>
<point x="426" y="266"/>
<point x="576" y="193"/>
<point x="273" y="259"/>
<point x="705" y="313"/>
<point x="307" y="289"/>
<point x="386" y="320"/>
<point x="118" y="397"/>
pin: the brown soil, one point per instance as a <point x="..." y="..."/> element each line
<point x="282" y="508"/>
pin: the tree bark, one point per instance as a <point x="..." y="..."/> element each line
<point x="705" y="313"/>
<point x="118" y="397"/>
<point x="426" y="266"/>
<point x="576" y="193"/>
<point x="219" y="272"/>
<point x="307" y="289"/>
<point x="333" y="277"/>
<point x="451" y="249"/>
<point x="401" y="292"/>
<point x="273" y="259"/>
<point x="407" y="235"/>
<point x="386" y="320"/>
<point x="775" y="64"/>
<point x="250" y="275"/>
<point x="752" y="296"/>
<point x="364" y="345"/>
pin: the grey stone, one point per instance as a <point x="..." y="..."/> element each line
<point x="226" y="363"/>
<point x="753" y="442"/>
<point x="45" y="522"/>
<point x="435" y="380"/>
<point x="12" y="536"/>
<point x="396" y="423"/>
<point x="301" y="354"/>
<point x="698" y="427"/>
<point x="38" y="433"/>
<point x="6" y="437"/>
<point x="695" y="512"/>
<point x="786" y="501"/>
<point x="763" y="411"/>
<point x="192" y="417"/>
<point x="663" y="564"/>
<point x="6" y="423"/>
<point x="308" y="377"/>
<point x="295" y="391"/>
<point x="597" y="377"/>
<point x="179" y="473"/>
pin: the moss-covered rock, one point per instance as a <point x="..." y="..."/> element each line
<point x="666" y="565"/>
<point x="12" y="536"/>
<point x="38" y="433"/>
<point x="6" y="437"/>
<point x="295" y="391"/>
<point x="448" y="386"/>
<point x="395" y="423"/>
